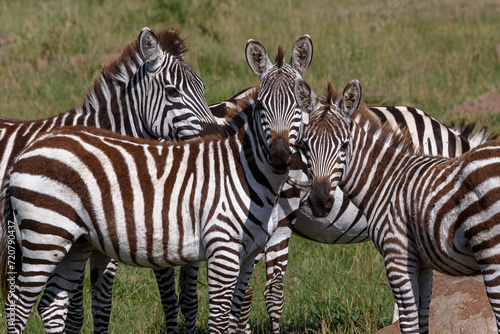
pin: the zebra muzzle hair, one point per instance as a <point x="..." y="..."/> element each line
<point x="280" y="155"/>
<point x="320" y="200"/>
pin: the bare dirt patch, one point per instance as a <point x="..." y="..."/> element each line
<point x="458" y="305"/>
<point x="486" y="104"/>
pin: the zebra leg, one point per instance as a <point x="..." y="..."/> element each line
<point x="188" y="299"/>
<point x="165" y="278"/>
<point x="74" y="320"/>
<point x="246" y="270"/>
<point x="223" y="272"/>
<point x="246" y="304"/>
<point x="491" y="274"/>
<point x="276" y="262"/>
<point x="35" y="271"/>
<point x="102" y="274"/>
<point x="61" y="286"/>
<point x="403" y="280"/>
<point x="425" y="276"/>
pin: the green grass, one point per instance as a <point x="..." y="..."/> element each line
<point x="431" y="54"/>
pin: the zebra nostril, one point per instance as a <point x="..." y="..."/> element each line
<point x="329" y="204"/>
<point x="320" y="200"/>
<point x="269" y="159"/>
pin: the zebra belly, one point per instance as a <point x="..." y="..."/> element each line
<point x="451" y="253"/>
<point x="162" y="249"/>
<point x="451" y="263"/>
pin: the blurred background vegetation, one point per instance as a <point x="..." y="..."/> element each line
<point x="434" y="55"/>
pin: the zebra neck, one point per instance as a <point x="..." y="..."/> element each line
<point x="232" y="115"/>
<point x="253" y="156"/>
<point x="110" y="105"/>
<point x="376" y="168"/>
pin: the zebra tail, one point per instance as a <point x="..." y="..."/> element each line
<point x="8" y="244"/>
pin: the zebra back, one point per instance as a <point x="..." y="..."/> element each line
<point x="432" y="136"/>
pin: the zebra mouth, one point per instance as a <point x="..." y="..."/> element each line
<point x="279" y="156"/>
<point x="320" y="200"/>
<point x="280" y="168"/>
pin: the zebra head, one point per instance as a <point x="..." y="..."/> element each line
<point x="326" y="141"/>
<point x="276" y="106"/>
<point x="174" y="105"/>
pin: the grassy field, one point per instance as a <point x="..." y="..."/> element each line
<point x="431" y="54"/>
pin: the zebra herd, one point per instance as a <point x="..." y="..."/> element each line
<point x="146" y="173"/>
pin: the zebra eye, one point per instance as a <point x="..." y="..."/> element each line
<point x="344" y="145"/>
<point x="172" y="91"/>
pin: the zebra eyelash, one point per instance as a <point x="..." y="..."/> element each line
<point x="173" y="92"/>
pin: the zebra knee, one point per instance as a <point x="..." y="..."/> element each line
<point x="54" y="314"/>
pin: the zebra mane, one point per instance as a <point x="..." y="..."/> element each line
<point x="331" y="95"/>
<point x="235" y="108"/>
<point x="169" y="41"/>
<point x="280" y="57"/>
<point x="122" y="69"/>
<point x="400" y="140"/>
<point x="465" y="130"/>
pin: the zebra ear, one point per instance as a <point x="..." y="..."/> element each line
<point x="305" y="98"/>
<point x="302" y="54"/>
<point x="150" y="49"/>
<point x="351" y="97"/>
<point x="257" y="57"/>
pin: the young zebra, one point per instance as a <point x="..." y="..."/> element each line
<point x="345" y="223"/>
<point x="148" y="92"/>
<point x="208" y="199"/>
<point x="424" y="213"/>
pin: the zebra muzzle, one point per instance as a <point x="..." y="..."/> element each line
<point x="320" y="199"/>
<point x="280" y="156"/>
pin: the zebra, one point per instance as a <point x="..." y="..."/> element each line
<point x="225" y="192"/>
<point x="424" y="213"/>
<point x="275" y="96"/>
<point x="345" y="223"/>
<point x="149" y="92"/>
